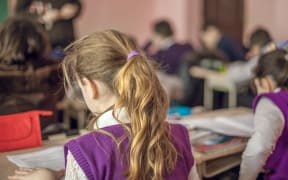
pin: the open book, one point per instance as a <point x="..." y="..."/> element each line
<point x="239" y="125"/>
<point x="52" y="158"/>
<point x="207" y="141"/>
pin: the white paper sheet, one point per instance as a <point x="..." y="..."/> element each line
<point x="240" y="125"/>
<point x="52" y="158"/>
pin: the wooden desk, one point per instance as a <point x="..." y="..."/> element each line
<point x="214" y="163"/>
<point x="208" y="164"/>
<point x="215" y="81"/>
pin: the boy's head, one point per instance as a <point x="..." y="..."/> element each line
<point x="162" y="30"/>
<point x="210" y="35"/>
<point x="259" y="38"/>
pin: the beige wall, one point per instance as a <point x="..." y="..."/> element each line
<point x="129" y="16"/>
<point x="268" y="13"/>
<point x="135" y="17"/>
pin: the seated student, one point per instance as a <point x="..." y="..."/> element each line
<point x="268" y="146"/>
<point x="169" y="54"/>
<point x="28" y="78"/>
<point x="164" y="49"/>
<point x="129" y="138"/>
<point x="217" y="42"/>
<point x="241" y="72"/>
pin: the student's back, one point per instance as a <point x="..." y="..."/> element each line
<point x="268" y="146"/>
<point x="100" y="157"/>
<point x="130" y="137"/>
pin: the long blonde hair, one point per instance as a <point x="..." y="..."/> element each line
<point x="103" y="56"/>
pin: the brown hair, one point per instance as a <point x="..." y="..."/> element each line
<point x="260" y="37"/>
<point x="275" y="64"/>
<point x="163" y="28"/>
<point x="21" y="40"/>
<point x="102" y="56"/>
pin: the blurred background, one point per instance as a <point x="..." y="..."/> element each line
<point x="236" y="17"/>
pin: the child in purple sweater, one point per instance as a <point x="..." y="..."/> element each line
<point x="267" y="149"/>
<point x="129" y="138"/>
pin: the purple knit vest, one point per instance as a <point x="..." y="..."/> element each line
<point x="277" y="162"/>
<point x="98" y="155"/>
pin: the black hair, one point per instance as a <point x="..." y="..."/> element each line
<point x="163" y="28"/>
<point x="260" y="37"/>
<point x="21" y="40"/>
<point x="275" y="64"/>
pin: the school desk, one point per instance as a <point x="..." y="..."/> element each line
<point x="214" y="163"/>
<point x="208" y="164"/>
<point x="215" y="81"/>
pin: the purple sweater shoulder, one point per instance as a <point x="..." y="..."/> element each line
<point x="100" y="157"/>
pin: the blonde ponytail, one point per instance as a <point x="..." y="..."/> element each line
<point x="152" y="153"/>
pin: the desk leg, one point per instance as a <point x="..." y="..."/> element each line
<point x="232" y="98"/>
<point x="200" y="171"/>
<point x="208" y="95"/>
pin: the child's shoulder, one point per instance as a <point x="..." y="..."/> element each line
<point x="101" y="137"/>
<point x="179" y="132"/>
<point x="178" y="128"/>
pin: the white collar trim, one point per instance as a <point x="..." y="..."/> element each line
<point x="107" y="118"/>
<point x="277" y="90"/>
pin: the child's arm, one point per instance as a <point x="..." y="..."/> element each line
<point x="193" y="175"/>
<point x="268" y="126"/>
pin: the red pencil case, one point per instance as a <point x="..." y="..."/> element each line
<point x="21" y="130"/>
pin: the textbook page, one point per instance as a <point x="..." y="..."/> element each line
<point x="52" y="158"/>
<point x="240" y="125"/>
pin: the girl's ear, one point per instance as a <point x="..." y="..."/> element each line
<point x="90" y="88"/>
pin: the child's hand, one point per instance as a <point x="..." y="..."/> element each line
<point x="261" y="87"/>
<point x="36" y="173"/>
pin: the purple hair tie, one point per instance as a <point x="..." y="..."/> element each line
<point x="131" y="54"/>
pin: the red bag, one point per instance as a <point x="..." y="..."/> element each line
<point x="21" y="130"/>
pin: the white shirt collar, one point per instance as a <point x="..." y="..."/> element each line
<point x="107" y="118"/>
<point x="168" y="43"/>
<point x="277" y="90"/>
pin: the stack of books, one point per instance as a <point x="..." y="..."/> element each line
<point x="207" y="141"/>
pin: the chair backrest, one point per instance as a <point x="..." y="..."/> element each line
<point x="34" y="88"/>
<point x="31" y="80"/>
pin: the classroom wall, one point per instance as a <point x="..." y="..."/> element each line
<point x="129" y="16"/>
<point x="135" y="17"/>
<point x="270" y="14"/>
<point x="176" y="13"/>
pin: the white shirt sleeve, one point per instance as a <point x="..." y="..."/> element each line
<point x="240" y="72"/>
<point x="193" y="175"/>
<point x="268" y="126"/>
<point x="73" y="170"/>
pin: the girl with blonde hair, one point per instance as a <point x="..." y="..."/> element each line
<point x="129" y="138"/>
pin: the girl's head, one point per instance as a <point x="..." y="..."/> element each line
<point x="271" y="71"/>
<point x="21" y="40"/>
<point x="99" y="63"/>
